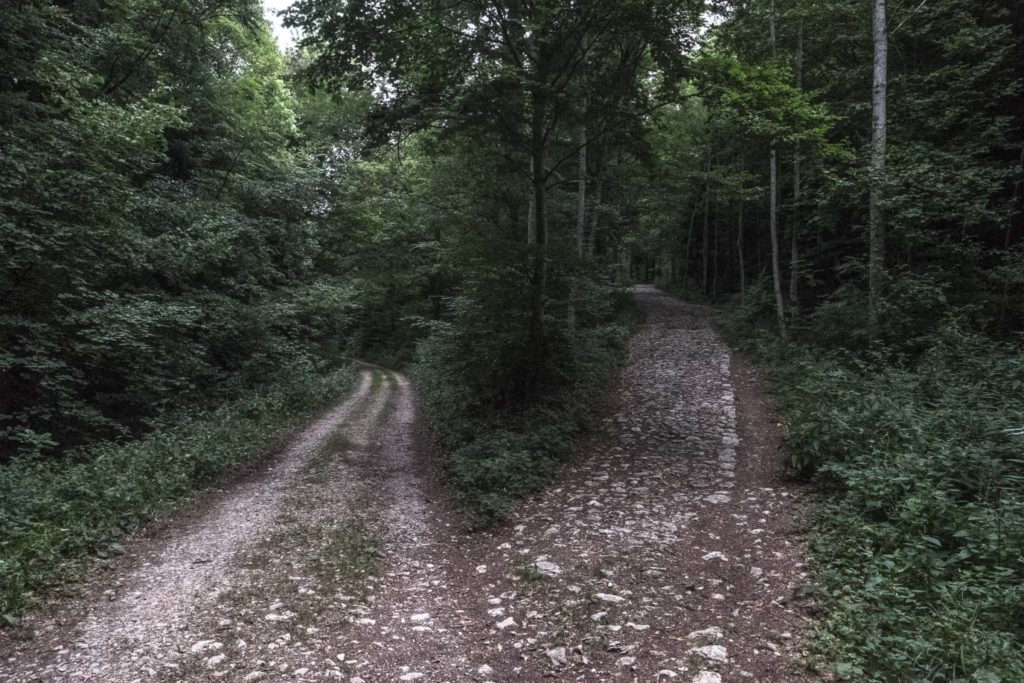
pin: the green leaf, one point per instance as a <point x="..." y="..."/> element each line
<point x="847" y="670"/>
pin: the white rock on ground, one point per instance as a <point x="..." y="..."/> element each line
<point x="714" y="653"/>
<point x="547" y="568"/>
<point x="557" y="656"/>
<point x="710" y="633"/>
<point x="707" y="677"/>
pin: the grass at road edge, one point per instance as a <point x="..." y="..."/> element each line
<point x="55" y="517"/>
<point x="917" y="548"/>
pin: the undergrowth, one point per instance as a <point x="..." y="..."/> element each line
<point x="502" y="441"/>
<point x="57" y="515"/>
<point x="919" y="550"/>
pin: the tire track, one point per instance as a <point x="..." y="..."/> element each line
<point x="134" y="635"/>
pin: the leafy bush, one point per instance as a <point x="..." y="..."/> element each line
<point x="504" y="440"/>
<point x="54" y="516"/>
<point x="919" y="551"/>
<point x="164" y="227"/>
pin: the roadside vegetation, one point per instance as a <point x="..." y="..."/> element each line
<point x="59" y="514"/>
<point x="917" y="546"/>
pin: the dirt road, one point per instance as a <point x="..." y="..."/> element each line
<point x="668" y="550"/>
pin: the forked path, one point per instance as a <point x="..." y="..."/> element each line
<point x="668" y="550"/>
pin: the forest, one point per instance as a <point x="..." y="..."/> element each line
<point x="204" y="236"/>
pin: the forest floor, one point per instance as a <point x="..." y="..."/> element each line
<point x="669" y="549"/>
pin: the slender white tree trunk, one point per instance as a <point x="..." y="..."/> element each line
<point x="876" y="230"/>
<point x="739" y="252"/>
<point x="794" y="247"/>
<point x="739" y="238"/>
<point x="773" y="224"/>
<point x="773" y="206"/>
<point x="794" y="228"/>
<point x="706" y="234"/>
<point x="714" y="259"/>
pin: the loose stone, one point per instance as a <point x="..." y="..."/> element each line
<point x="505" y="623"/>
<point x="707" y="677"/>
<point x="714" y="653"/>
<point x="710" y="633"/>
<point x="205" y="646"/>
<point x="547" y="568"/>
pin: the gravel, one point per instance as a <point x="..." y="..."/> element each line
<point x="668" y="549"/>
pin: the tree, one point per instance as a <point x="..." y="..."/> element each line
<point x="876" y="238"/>
<point x="516" y="69"/>
<point x="773" y="204"/>
<point x="158" y="225"/>
<point x="794" y="228"/>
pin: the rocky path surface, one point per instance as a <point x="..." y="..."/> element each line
<point x="668" y="550"/>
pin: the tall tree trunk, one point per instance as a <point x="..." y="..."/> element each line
<point x="758" y="249"/>
<point x="538" y="152"/>
<point x="876" y="230"/>
<point x="773" y="224"/>
<point x="773" y="207"/>
<point x="595" y="158"/>
<point x="794" y="251"/>
<point x="1018" y="196"/>
<point x="581" y="218"/>
<point x="689" y="241"/>
<point x="739" y="239"/>
<point x="531" y="214"/>
<point x="794" y="227"/>
<point x="581" y="192"/>
<point x="739" y="252"/>
<point x="705" y="235"/>
<point x="714" y="268"/>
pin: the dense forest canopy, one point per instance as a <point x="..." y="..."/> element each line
<point x="189" y="216"/>
<point x="171" y="180"/>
